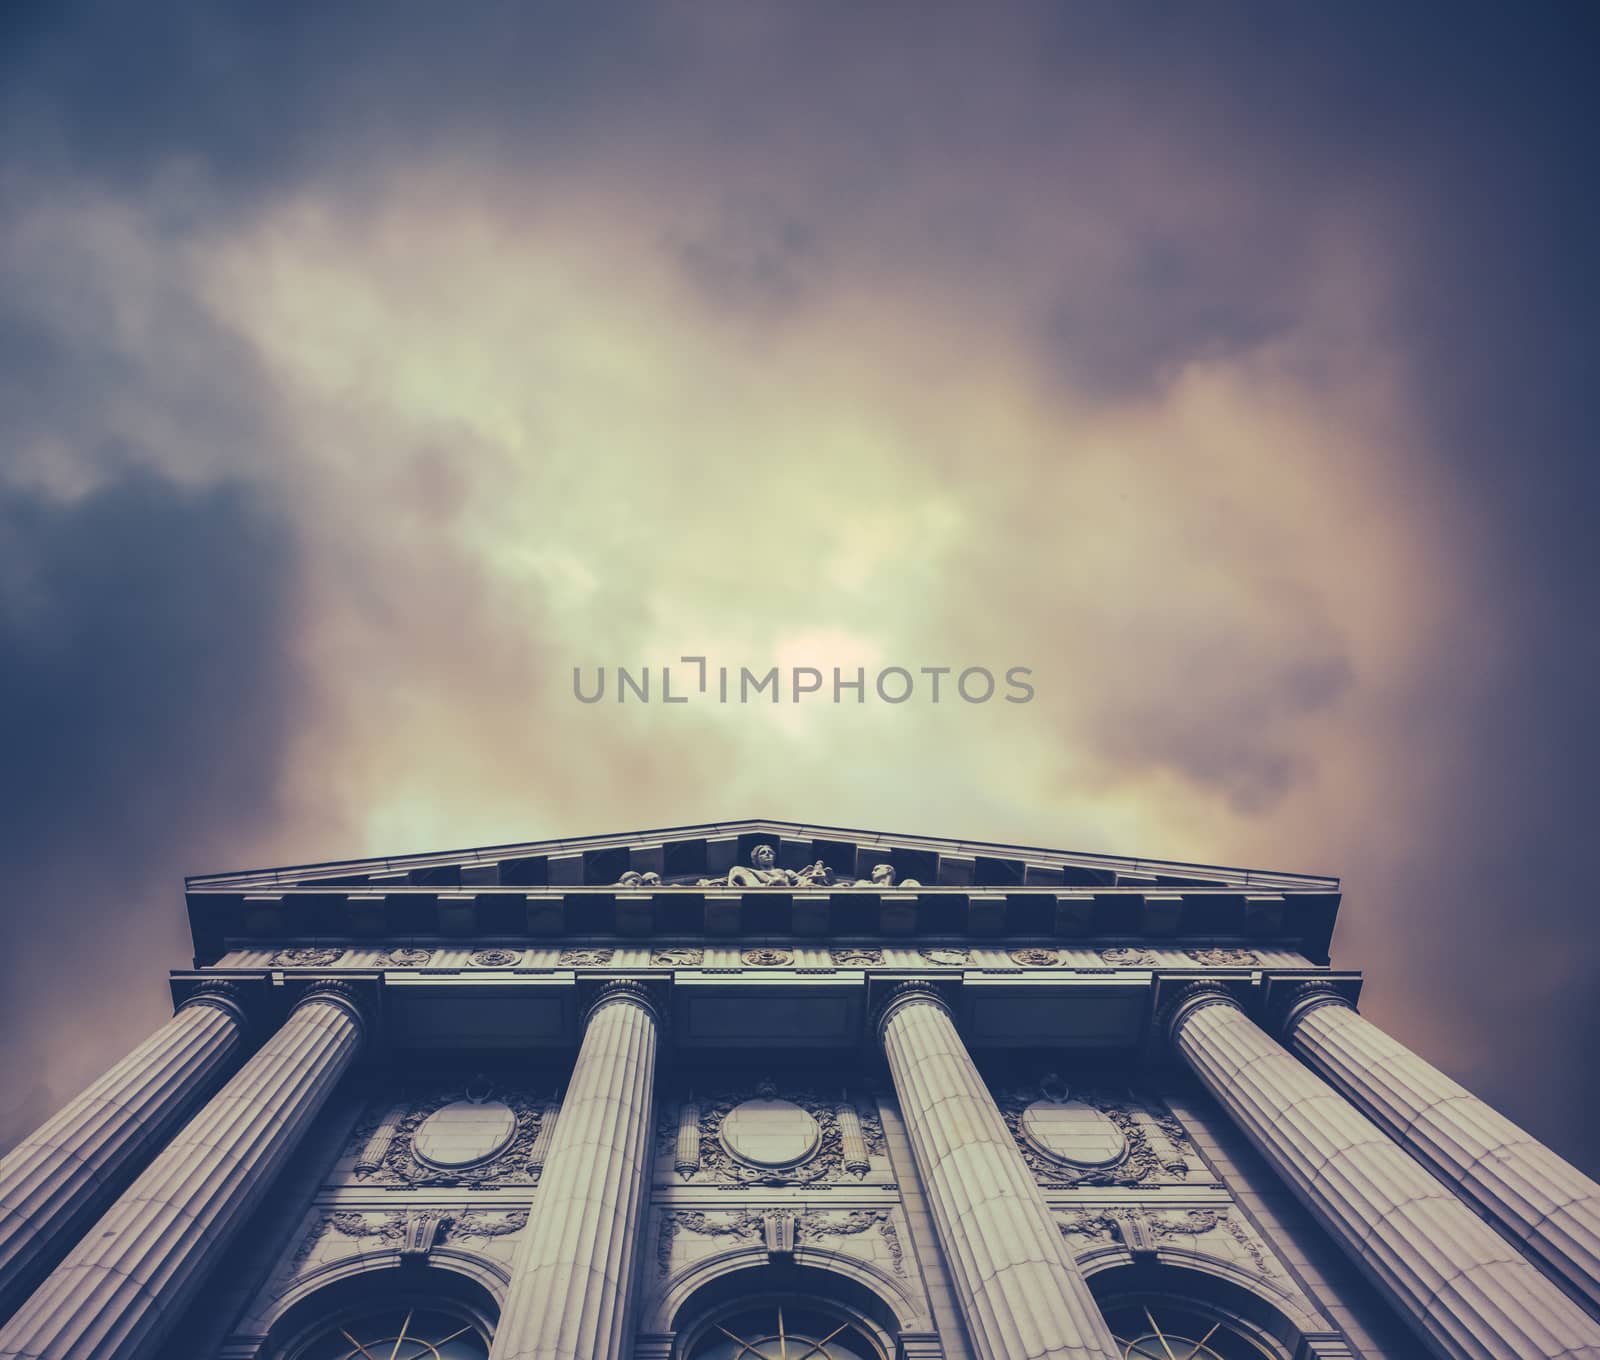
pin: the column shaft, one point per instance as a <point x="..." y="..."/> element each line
<point x="1466" y="1291"/>
<point x="1020" y="1291"/>
<point x="574" y="1269"/>
<point x="1532" y="1195"/>
<point x="56" y="1180"/>
<point x="122" y="1288"/>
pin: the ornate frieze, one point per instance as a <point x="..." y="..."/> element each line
<point x="1144" y="1231"/>
<point x="306" y="958"/>
<point x="458" y="1136"/>
<point x="405" y="958"/>
<point x="767" y="1135"/>
<point x="1035" y="958"/>
<point x="585" y="958"/>
<point x="1127" y="958"/>
<point x="496" y="958"/>
<point x="413" y="1232"/>
<point x="1224" y="958"/>
<point x="677" y="958"/>
<point x="946" y="957"/>
<point x="779" y="1230"/>
<point x="768" y="958"/>
<point x="1093" y="1137"/>
<point x="857" y="958"/>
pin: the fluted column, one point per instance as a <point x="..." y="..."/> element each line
<point x="574" y="1269"/>
<point x="1463" y="1287"/>
<point x="1538" y="1200"/>
<point x="55" y="1180"/>
<point x="121" y="1289"/>
<point x="1020" y="1291"/>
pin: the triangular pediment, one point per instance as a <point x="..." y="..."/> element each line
<point x="687" y="856"/>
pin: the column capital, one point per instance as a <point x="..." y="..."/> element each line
<point x="1290" y="1005"/>
<point x="649" y="997"/>
<point x="1182" y="1001"/>
<point x="359" y="1005"/>
<point x="225" y="996"/>
<point x="903" y="994"/>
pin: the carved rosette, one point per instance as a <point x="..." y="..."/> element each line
<point x="842" y="1152"/>
<point x="388" y="1155"/>
<point x="1157" y="1151"/>
<point x="768" y="958"/>
<point x="496" y="958"/>
<point x="306" y="958"/>
<point x="1035" y="958"/>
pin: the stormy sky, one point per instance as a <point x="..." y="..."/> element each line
<point x="364" y="369"/>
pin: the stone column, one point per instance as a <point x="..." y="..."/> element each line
<point x="1465" y="1290"/>
<point x="1518" y="1184"/>
<point x="1020" y="1290"/>
<point x="56" y="1180"/>
<point x="574" y="1269"/>
<point x="124" y="1286"/>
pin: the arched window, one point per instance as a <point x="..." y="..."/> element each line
<point x="1168" y="1329"/>
<point x="424" y="1332"/>
<point x="782" y="1329"/>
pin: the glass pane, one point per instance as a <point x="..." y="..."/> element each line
<point x="399" y="1334"/>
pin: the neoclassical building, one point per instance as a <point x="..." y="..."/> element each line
<point x="763" y="1091"/>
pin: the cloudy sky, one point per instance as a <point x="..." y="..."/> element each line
<point x="363" y="372"/>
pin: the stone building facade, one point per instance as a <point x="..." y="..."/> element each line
<point x="764" y="1091"/>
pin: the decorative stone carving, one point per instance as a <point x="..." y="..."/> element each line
<point x="497" y="958"/>
<point x="883" y="876"/>
<point x="1078" y="1145"/>
<point x="495" y="1133"/>
<point x="540" y="1149"/>
<point x="1224" y="958"/>
<point x="306" y="958"/>
<point x="637" y="881"/>
<point x="1127" y="958"/>
<point x="729" y="1154"/>
<point x="784" y="1227"/>
<point x="405" y="958"/>
<point x="463" y="1134"/>
<point x="1035" y="958"/>
<point x="1137" y="1229"/>
<point x="763" y="872"/>
<point x="686" y="1158"/>
<point x="586" y="958"/>
<point x="852" y="1142"/>
<point x="946" y="957"/>
<point x="677" y="958"/>
<point x="857" y="958"/>
<point x="768" y="958"/>
<point x="415" y="1232"/>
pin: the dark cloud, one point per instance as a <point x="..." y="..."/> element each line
<point x="149" y="698"/>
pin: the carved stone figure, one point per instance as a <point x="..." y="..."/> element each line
<point x="883" y="876"/>
<point x="763" y="872"/>
<point x="634" y="879"/>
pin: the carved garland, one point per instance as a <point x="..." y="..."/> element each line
<point x="1143" y="1163"/>
<point x="393" y="1162"/>
<point x="838" y="1152"/>
<point x="752" y="1225"/>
